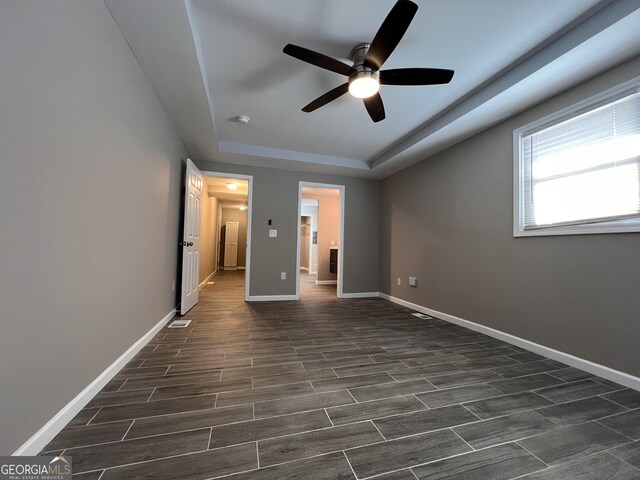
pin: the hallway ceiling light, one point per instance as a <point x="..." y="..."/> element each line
<point x="232" y="186"/>
<point x="243" y="207"/>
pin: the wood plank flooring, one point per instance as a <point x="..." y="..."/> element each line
<point x="344" y="389"/>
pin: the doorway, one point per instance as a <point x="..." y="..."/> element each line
<point x="320" y="242"/>
<point x="226" y="228"/>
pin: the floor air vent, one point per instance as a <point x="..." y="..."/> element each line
<point x="179" y="323"/>
<point x="421" y="315"/>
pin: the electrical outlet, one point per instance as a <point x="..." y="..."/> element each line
<point x="398" y="281"/>
<point x="413" y="282"/>
<point x="273" y="233"/>
<point x="283" y="275"/>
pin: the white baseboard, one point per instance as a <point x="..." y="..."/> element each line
<point x="242" y="268"/>
<point x="272" y="298"/>
<point x="204" y="282"/>
<point x="571" y="360"/>
<point x="361" y="295"/>
<point x="42" y="437"/>
<point x="326" y="282"/>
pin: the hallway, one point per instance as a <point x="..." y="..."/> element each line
<point x="328" y="388"/>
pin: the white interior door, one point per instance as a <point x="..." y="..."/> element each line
<point x="231" y="246"/>
<point x="191" y="239"/>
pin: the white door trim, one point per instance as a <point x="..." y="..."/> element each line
<point x="249" y="178"/>
<point x="342" y="189"/>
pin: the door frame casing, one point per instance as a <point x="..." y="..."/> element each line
<point x="342" y="189"/>
<point x="249" y="178"/>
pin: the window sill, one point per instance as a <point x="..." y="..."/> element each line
<point x="585" y="229"/>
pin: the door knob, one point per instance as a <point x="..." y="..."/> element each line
<point x="189" y="244"/>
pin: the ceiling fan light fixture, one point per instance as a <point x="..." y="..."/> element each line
<point x="364" y="85"/>
<point x="364" y="82"/>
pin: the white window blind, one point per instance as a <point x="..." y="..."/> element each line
<point x="584" y="169"/>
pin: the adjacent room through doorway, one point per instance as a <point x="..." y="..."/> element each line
<point x="223" y="230"/>
<point x="320" y="243"/>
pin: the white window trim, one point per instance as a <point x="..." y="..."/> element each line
<point x="613" y="226"/>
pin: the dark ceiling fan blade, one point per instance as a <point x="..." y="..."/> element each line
<point x="330" y="96"/>
<point x="415" y="76"/>
<point x="375" y="107"/>
<point x="390" y="33"/>
<point x="318" y="59"/>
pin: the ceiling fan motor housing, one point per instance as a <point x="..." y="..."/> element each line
<point x="357" y="55"/>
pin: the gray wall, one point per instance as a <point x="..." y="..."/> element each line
<point x="448" y="221"/>
<point x="89" y="195"/>
<point x="275" y="197"/>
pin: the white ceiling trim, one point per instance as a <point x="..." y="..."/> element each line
<point x="573" y="67"/>
<point x="203" y="72"/>
<point x="568" y="41"/>
<point x="182" y="84"/>
<point x="161" y="31"/>
<point x="265" y="152"/>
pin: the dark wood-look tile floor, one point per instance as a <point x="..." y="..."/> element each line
<point x="343" y="389"/>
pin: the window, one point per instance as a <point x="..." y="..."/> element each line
<point x="578" y="170"/>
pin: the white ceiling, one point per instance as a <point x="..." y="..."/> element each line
<point x="211" y="60"/>
<point x="217" y="187"/>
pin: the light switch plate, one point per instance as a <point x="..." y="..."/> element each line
<point x="273" y="233"/>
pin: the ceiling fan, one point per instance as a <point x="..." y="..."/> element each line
<point x="365" y="76"/>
